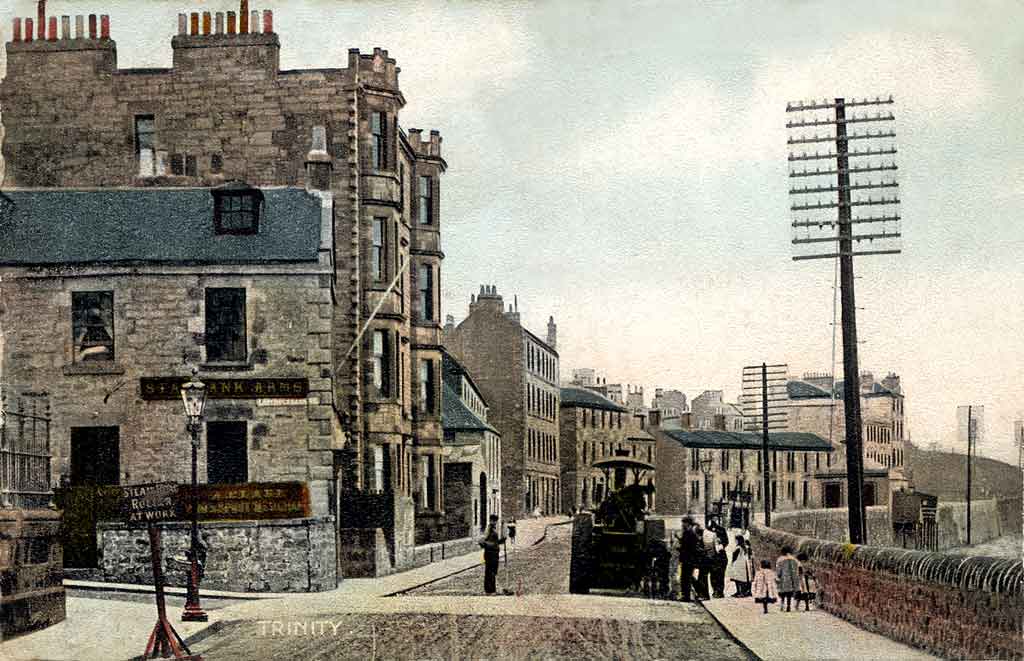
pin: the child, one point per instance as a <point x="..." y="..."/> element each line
<point x="763" y="588"/>
<point x="739" y="570"/>
<point x="788" y="571"/>
<point x="808" y="586"/>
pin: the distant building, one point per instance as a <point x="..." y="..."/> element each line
<point x="592" y="428"/>
<point x="709" y="411"/>
<point x="517" y="374"/>
<point x="737" y="464"/>
<point x="671" y="403"/>
<point x="635" y="400"/>
<point x="584" y="376"/>
<point x="472" y="454"/>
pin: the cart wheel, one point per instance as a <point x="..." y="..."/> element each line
<point x="581" y="562"/>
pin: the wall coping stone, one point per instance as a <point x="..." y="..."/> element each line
<point x="214" y="525"/>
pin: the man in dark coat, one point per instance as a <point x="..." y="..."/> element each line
<point x="491" y="544"/>
<point x="690" y="552"/>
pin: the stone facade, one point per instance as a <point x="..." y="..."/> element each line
<point x="31" y="571"/>
<point x="286" y="555"/>
<point x="592" y="428"/>
<point x="736" y="464"/>
<point x="225" y="112"/>
<point x="517" y="373"/>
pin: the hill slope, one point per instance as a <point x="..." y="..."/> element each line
<point x="945" y="475"/>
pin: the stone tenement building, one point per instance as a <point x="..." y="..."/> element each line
<point x="517" y="373"/>
<point x="591" y="428"/>
<point x="671" y="403"/>
<point x="227" y="133"/>
<point x="472" y="460"/>
<point x="736" y="464"/>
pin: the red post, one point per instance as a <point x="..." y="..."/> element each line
<point x="16" y="30"/>
<point x="52" y="29"/>
<point x="243" y="17"/>
<point x="206" y="23"/>
<point x="231" y="22"/>
<point x="268" y="21"/>
<point x="92" y="26"/>
<point x="41" y="19"/>
<point x="29" y="35"/>
<point x="104" y="26"/>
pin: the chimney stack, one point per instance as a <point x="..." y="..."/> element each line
<point x="318" y="162"/>
<point x="552" y="333"/>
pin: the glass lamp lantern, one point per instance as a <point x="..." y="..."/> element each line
<point x="193" y="395"/>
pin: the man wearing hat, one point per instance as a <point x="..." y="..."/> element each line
<point x="689" y="556"/>
<point x="491" y="544"/>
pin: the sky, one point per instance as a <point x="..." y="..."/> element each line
<point x="622" y="166"/>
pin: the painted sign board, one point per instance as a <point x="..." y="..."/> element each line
<point x="146" y="504"/>
<point x="248" y="501"/>
<point x="155" y="388"/>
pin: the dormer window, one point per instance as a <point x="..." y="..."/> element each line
<point x="236" y="209"/>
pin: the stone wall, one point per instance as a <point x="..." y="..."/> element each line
<point x="989" y="519"/>
<point x="31" y="571"/>
<point x="287" y="555"/>
<point x="159" y="328"/>
<point x="363" y="553"/>
<point x="951" y="606"/>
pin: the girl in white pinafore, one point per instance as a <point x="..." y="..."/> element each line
<point x="764" y="589"/>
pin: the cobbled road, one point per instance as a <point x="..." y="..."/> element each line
<point x="539" y="570"/>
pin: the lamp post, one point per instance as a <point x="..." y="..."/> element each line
<point x="705" y="467"/>
<point x="193" y="394"/>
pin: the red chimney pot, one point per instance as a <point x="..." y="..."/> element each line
<point x="16" y="30"/>
<point x="243" y="17"/>
<point x="92" y="26"/>
<point x="52" y="29"/>
<point x="41" y="22"/>
<point x="29" y="35"/>
<point x="268" y="21"/>
<point x="194" y="24"/>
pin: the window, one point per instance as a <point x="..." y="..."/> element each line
<point x="378" y="128"/>
<point x="401" y="186"/>
<point x="216" y="163"/>
<point x="426" y="201"/>
<point x="92" y="325"/>
<point x="226" y="453"/>
<point x="236" y="210"/>
<point x="426" y="287"/>
<point x="806" y="495"/>
<point x="791" y="491"/>
<point x="381" y="363"/>
<point x="426" y="386"/>
<point x="145" y="156"/>
<point x="225" y="324"/>
<point x="725" y="460"/>
<point x="431" y="482"/>
<point x="694" y="459"/>
<point x="95" y="456"/>
<point x="695" y="490"/>
<point x="378" y="257"/>
<point x="190" y="165"/>
<point x="742" y="467"/>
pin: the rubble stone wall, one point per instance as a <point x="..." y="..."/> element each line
<point x="31" y="571"/>
<point x="287" y="555"/>
<point x="952" y="606"/>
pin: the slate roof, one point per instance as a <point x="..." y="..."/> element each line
<point x="456" y="416"/>
<point x="575" y="396"/>
<point x="804" y="390"/>
<point x="61" y="226"/>
<point x="726" y="440"/>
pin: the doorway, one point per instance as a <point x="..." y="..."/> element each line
<point x="95" y="456"/>
<point x="227" y="456"/>
<point x="833" y="495"/>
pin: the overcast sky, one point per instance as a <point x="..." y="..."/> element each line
<point x="622" y="166"/>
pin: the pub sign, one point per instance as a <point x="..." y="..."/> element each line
<point x="169" y="388"/>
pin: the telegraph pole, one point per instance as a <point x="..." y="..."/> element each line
<point x="810" y="231"/>
<point x="970" y="437"/>
<point x="764" y="445"/>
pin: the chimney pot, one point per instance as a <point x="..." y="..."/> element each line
<point x="16" y="30"/>
<point x="193" y="23"/>
<point x="52" y="29"/>
<point x="231" y="22"/>
<point x="243" y="17"/>
<point x="254" y="22"/>
<point x="268" y="21"/>
<point x="219" y="22"/>
<point x="182" y="24"/>
<point x="105" y="26"/>
<point x="29" y="34"/>
<point x="92" y="26"/>
<point x="41" y="19"/>
<point x="79" y="26"/>
<point x="206" y="23"/>
<point x="65" y="27"/>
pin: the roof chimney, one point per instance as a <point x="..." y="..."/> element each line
<point x="318" y="162"/>
<point x="552" y="333"/>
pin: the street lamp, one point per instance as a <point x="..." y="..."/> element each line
<point x="193" y="394"/>
<point x="705" y="467"/>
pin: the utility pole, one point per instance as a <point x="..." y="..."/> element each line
<point x="762" y="401"/>
<point x="970" y="420"/>
<point x="811" y="231"/>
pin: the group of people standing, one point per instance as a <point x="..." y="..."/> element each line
<point x="705" y="565"/>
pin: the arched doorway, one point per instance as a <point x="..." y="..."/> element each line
<point x="483" y="501"/>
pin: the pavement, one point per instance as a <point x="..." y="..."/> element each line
<point x="804" y="635"/>
<point x="113" y="621"/>
<point x="1008" y="546"/>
